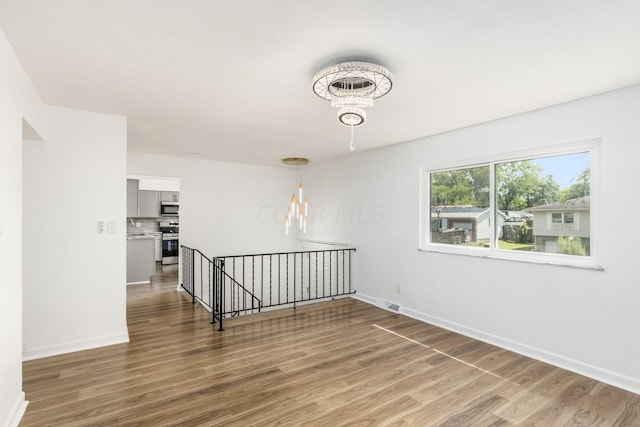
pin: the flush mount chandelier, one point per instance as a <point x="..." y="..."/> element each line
<point x="351" y="87"/>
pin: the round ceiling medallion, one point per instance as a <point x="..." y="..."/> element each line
<point x="295" y="161"/>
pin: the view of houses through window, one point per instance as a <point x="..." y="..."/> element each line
<point x="541" y="205"/>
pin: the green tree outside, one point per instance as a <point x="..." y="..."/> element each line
<point x="581" y="187"/>
<point x="460" y="187"/>
<point x="571" y="245"/>
<point x="520" y="186"/>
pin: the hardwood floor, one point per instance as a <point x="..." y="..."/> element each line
<point x="336" y="363"/>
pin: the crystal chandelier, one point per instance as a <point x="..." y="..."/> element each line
<point x="298" y="207"/>
<point x="352" y="87"/>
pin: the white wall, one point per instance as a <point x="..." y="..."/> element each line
<point x="18" y="100"/>
<point x="226" y="208"/>
<point x="584" y="320"/>
<point x="74" y="278"/>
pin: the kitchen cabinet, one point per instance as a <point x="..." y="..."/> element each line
<point x="149" y="204"/>
<point x="170" y="196"/>
<point x="146" y="203"/>
<point x="158" y="248"/>
<point x="132" y="198"/>
<point x="140" y="260"/>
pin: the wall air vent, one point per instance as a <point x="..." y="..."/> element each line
<point x="387" y="305"/>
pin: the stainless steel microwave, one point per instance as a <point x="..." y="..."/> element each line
<point x="169" y="208"/>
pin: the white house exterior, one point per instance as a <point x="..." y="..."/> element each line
<point x="474" y="220"/>
<point x="569" y="219"/>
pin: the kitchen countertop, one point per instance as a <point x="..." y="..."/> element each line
<point x="154" y="235"/>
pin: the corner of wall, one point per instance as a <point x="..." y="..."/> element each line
<point x="29" y="132"/>
<point x="17" y="412"/>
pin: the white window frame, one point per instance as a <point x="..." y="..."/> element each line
<point x="591" y="261"/>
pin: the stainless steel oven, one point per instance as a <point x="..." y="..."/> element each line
<point x="170" y="242"/>
<point x="170" y="248"/>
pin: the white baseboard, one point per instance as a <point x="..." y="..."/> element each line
<point x="364" y="298"/>
<point x="17" y="411"/>
<point x="55" y="350"/>
<point x="595" y="372"/>
<point x="144" y="282"/>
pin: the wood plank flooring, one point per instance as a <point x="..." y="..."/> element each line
<point x="329" y="364"/>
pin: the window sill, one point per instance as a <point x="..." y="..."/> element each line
<point x="541" y="259"/>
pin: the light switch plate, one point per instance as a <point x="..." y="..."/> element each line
<point x="111" y="227"/>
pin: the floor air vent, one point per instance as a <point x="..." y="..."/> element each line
<point x="388" y="305"/>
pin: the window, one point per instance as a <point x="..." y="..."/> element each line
<point x="460" y="206"/>
<point x="534" y="206"/>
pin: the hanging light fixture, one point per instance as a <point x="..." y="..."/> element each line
<point x="298" y="207"/>
<point x="352" y="87"/>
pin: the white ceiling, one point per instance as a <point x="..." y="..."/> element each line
<point x="231" y="79"/>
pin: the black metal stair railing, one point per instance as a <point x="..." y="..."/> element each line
<point x="243" y="284"/>
<point x="200" y="278"/>
<point x="289" y="278"/>
<point x="206" y="281"/>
